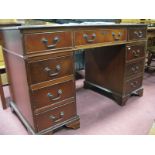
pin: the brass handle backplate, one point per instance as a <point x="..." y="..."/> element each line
<point x="51" y="72"/>
<point x="135" y="69"/>
<point x="55" y="40"/>
<point x="136" y="53"/>
<point x="54" y="98"/>
<point x="55" y="119"/>
<point x="116" y="36"/>
<point x="134" y="84"/>
<point x="138" y="34"/>
<point x="90" y="38"/>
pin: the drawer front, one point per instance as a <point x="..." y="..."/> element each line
<point x="114" y="35"/>
<point x="47" y="41"/>
<point x="134" y="68"/>
<point x="57" y="115"/>
<point x="52" y="94"/>
<point x="133" y="84"/>
<point x="136" y="33"/>
<point x="49" y="69"/>
<point x="100" y="36"/>
<point x="88" y="37"/>
<point x="135" y="51"/>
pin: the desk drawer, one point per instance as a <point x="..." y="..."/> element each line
<point x="48" y="119"/>
<point x="52" y="94"/>
<point x="85" y="37"/>
<point x="134" y="68"/>
<point x="133" y="84"/>
<point x="51" y="68"/>
<point x="47" y="41"/>
<point x="135" y="51"/>
<point x="136" y="33"/>
<point x="114" y="35"/>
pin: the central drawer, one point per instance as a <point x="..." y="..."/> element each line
<point x="38" y="42"/>
<point x="84" y="37"/>
<point x="50" y="96"/>
<point x="57" y="115"/>
<point x="50" y="68"/>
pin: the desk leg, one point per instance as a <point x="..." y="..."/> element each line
<point x="121" y="100"/>
<point x="138" y="92"/>
<point x="2" y="95"/>
<point x="74" y="125"/>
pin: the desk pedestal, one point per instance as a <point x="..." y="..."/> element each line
<point x="109" y="72"/>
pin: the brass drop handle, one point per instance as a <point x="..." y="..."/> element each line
<point x="51" y="72"/>
<point x="116" y="36"/>
<point x="55" y="40"/>
<point x="139" y="34"/>
<point x="136" y="53"/>
<point x="134" y="84"/>
<point x="55" y="98"/>
<point x="91" y="38"/>
<point x="135" y="69"/>
<point x="55" y="120"/>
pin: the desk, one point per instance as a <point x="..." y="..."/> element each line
<point x="40" y="64"/>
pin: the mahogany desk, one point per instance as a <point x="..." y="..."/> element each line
<point x="40" y="64"/>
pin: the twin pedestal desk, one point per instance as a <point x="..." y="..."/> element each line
<point x="40" y="66"/>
